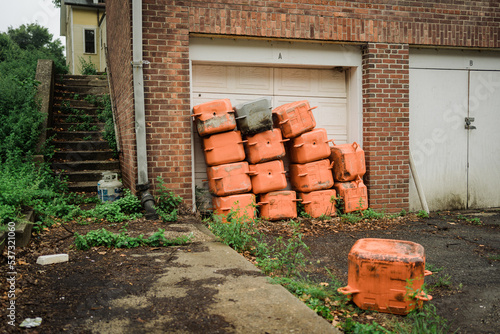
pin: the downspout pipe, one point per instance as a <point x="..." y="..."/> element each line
<point x="142" y="186"/>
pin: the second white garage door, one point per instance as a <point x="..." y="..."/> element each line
<point x="324" y="88"/>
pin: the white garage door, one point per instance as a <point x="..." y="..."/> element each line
<point x="324" y="88"/>
<point x="458" y="165"/>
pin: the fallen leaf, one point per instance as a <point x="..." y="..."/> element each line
<point x="101" y="253"/>
<point x="123" y="255"/>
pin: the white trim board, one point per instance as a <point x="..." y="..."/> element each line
<point x="273" y="52"/>
<point x="454" y="59"/>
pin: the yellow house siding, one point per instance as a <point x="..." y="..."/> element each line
<point x="78" y="20"/>
<point x="86" y="17"/>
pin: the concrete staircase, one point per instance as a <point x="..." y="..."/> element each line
<point x="81" y="152"/>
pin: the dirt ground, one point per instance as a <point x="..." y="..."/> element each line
<point x="68" y="296"/>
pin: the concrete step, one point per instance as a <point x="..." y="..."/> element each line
<point x="85" y="165"/>
<point x="85" y="187"/>
<point x="79" y="145"/>
<point x="83" y="155"/>
<point x="79" y="126"/>
<point x="84" y="80"/>
<point x="77" y="135"/>
<point x="86" y="175"/>
<point x="60" y="118"/>
<point x="73" y="103"/>
<point x="82" y="90"/>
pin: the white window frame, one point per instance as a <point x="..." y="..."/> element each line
<point x="85" y="42"/>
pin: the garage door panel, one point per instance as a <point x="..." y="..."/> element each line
<point x="309" y="82"/>
<point x="484" y="140"/>
<point x="232" y="79"/>
<point x="211" y="78"/>
<point x="252" y="80"/>
<point x="332" y="83"/>
<point x="438" y="141"/>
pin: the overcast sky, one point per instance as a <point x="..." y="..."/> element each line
<point x="17" y="12"/>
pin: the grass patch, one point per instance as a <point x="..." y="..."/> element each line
<point x="108" y="239"/>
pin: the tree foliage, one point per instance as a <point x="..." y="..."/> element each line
<point x="20" y="117"/>
<point x="31" y="36"/>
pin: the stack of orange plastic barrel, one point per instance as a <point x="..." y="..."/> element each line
<point x="244" y="146"/>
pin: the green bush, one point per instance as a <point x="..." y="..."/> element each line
<point x="167" y="203"/>
<point x="129" y="204"/>
<point x="239" y="233"/>
<point x="24" y="183"/>
<point x="87" y="67"/>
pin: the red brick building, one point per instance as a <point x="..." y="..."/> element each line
<point x="367" y="64"/>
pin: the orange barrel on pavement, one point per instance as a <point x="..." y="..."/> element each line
<point x="386" y="275"/>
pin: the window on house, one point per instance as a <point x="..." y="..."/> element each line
<point x="89" y="40"/>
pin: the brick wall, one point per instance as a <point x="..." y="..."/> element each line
<point x="386" y="124"/>
<point x="385" y="32"/>
<point x="167" y="98"/>
<point x="441" y="22"/>
<point x="119" y="32"/>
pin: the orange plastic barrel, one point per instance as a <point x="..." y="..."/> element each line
<point x="265" y="146"/>
<point x="319" y="203"/>
<point x="294" y="118"/>
<point x="229" y="179"/>
<point x="316" y="175"/>
<point x="223" y="148"/>
<point x="243" y="206"/>
<point x="268" y="176"/>
<point x="386" y="275"/>
<point x="354" y="195"/>
<point x="348" y="162"/>
<point x="214" y="117"/>
<point x="310" y="146"/>
<point x="278" y="205"/>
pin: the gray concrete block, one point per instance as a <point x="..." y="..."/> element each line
<point x="50" y="259"/>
